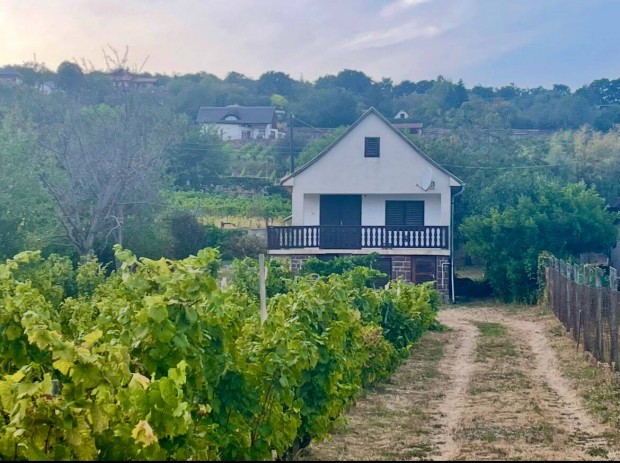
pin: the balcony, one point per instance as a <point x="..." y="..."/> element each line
<point x="357" y="237"/>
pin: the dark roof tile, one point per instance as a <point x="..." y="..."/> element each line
<point x="244" y="114"/>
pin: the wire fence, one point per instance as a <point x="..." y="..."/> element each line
<point x="585" y="300"/>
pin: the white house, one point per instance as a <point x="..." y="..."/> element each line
<point x="236" y="122"/>
<point x="10" y="77"/>
<point x="402" y="114"/>
<point x="373" y="190"/>
<point x="123" y="79"/>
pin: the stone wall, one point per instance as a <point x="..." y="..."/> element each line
<point x="297" y="261"/>
<point x="401" y="266"/>
<point x="443" y="276"/>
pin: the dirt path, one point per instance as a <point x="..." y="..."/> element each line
<point x="458" y="365"/>
<point x="489" y="389"/>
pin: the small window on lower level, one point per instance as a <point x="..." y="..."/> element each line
<point x="371" y="147"/>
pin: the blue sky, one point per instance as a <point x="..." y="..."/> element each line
<point x="491" y="42"/>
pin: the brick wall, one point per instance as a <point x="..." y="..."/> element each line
<point x="401" y="266"/>
<point x="443" y="276"/>
<point x="297" y="261"/>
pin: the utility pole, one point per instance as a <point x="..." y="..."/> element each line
<point x="290" y="124"/>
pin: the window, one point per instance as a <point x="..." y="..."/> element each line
<point x="402" y="115"/>
<point x="371" y="147"/>
<point x="261" y="133"/>
<point x="404" y="213"/>
<point x="245" y="134"/>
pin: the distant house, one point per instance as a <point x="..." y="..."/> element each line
<point x="130" y="81"/>
<point x="410" y="127"/>
<point x="407" y="127"/>
<point x="402" y="114"/>
<point x="9" y="76"/>
<point x="236" y="122"/>
<point x="372" y="190"/>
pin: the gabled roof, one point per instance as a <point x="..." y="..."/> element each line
<point x="9" y="72"/>
<point x="372" y="110"/>
<point x="243" y="114"/>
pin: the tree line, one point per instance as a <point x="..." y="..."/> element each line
<point x="334" y="100"/>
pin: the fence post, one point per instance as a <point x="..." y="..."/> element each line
<point x="576" y="298"/>
<point x="587" y="308"/>
<point x="599" y="314"/>
<point x="613" y="305"/>
<point x="262" y="288"/>
<point x="550" y="284"/>
<point x="561" y="292"/>
<point x="569" y="288"/>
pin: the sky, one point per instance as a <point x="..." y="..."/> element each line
<point x="529" y="43"/>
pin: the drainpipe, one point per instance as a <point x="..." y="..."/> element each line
<point x="452" y="240"/>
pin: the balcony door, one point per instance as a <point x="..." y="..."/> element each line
<point x="341" y="220"/>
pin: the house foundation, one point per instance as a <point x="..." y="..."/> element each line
<point x="415" y="269"/>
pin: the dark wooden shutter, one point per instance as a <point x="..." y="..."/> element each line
<point x="404" y="213"/>
<point x="414" y="213"/>
<point x="393" y="213"/>
<point x="372" y="147"/>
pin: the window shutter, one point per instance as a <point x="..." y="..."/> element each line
<point x="414" y="213"/>
<point x="404" y="213"/>
<point x="372" y="147"/>
<point x="394" y="213"/>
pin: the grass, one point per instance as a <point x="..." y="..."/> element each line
<point x="596" y="384"/>
<point x="494" y="330"/>
<point x="495" y="343"/>
<point x="391" y="421"/>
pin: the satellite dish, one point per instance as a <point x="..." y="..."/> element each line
<point x="427" y="179"/>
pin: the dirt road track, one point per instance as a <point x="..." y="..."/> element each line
<point x="491" y="388"/>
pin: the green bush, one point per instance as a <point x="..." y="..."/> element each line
<point x="563" y="220"/>
<point x="336" y="265"/>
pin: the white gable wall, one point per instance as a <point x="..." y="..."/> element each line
<point x="393" y="175"/>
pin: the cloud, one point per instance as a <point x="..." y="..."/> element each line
<point x="392" y="36"/>
<point x="398" y="6"/>
<point x="480" y="40"/>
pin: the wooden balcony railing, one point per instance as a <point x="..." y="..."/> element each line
<point x="357" y="237"/>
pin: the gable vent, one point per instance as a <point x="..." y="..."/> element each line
<point x="371" y="147"/>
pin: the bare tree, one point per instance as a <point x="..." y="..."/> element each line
<point x="99" y="163"/>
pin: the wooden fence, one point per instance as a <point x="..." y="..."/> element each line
<point x="585" y="300"/>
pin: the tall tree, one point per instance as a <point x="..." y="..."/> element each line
<point x="355" y="81"/>
<point x="100" y="162"/>
<point x="276" y="82"/>
<point x="70" y="77"/>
